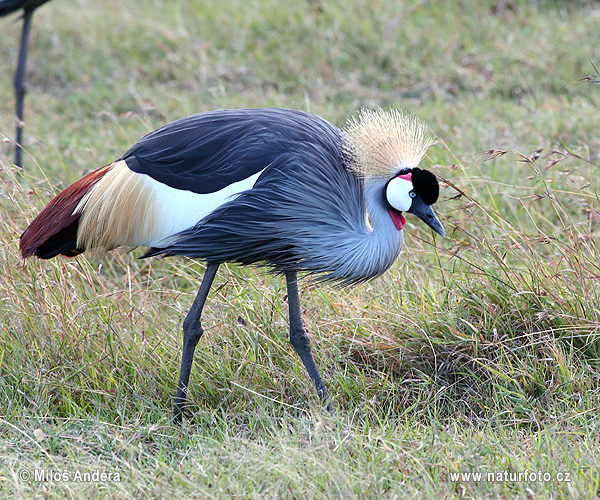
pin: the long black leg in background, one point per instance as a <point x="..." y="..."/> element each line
<point x="19" y="83"/>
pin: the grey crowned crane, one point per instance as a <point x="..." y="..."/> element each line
<point x="8" y="7"/>
<point x="279" y="187"/>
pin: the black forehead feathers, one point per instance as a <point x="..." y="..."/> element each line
<point x="426" y="185"/>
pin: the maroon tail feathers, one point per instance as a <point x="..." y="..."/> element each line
<point x="54" y="230"/>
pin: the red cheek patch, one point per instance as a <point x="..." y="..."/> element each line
<point x="407" y="177"/>
<point x="397" y="218"/>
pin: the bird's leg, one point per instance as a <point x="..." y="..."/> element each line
<point x="300" y="340"/>
<point x="192" y="331"/>
<point x="19" y="82"/>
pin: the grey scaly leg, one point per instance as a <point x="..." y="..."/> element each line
<point x="300" y="340"/>
<point x="192" y="331"/>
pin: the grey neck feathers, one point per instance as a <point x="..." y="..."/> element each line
<point x="368" y="252"/>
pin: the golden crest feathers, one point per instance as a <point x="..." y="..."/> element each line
<point x="383" y="142"/>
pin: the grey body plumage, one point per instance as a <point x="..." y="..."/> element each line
<point x="278" y="187"/>
<point x="307" y="212"/>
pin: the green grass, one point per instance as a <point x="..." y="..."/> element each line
<point x="478" y="352"/>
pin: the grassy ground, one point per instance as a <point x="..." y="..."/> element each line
<point x="479" y="352"/>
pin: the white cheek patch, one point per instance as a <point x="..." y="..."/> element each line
<point x="397" y="194"/>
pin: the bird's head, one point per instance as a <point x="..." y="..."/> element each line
<point x="385" y="147"/>
<point x="413" y="192"/>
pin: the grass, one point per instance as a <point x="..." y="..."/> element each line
<point x="479" y="352"/>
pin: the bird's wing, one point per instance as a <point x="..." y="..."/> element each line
<point x="8" y="6"/>
<point x="177" y="175"/>
<point x="207" y="152"/>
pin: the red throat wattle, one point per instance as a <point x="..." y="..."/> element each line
<point x="397" y="218"/>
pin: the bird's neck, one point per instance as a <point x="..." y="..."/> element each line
<point x="385" y="241"/>
<point x="371" y="247"/>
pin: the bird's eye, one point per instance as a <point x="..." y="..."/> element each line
<point x="412" y="194"/>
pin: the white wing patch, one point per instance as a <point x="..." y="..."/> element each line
<point x="129" y="209"/>
<point x="179" y="210"/>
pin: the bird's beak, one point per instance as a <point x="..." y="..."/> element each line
<point x="426" y="214"/>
